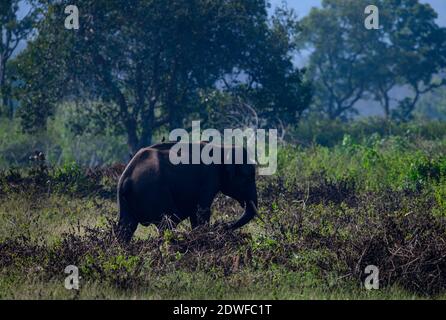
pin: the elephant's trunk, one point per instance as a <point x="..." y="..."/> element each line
<point x="248" y="215"/>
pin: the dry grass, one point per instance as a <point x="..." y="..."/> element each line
<point x="314" y="242"/>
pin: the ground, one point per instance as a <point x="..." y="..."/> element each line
<point x="320" y="229"/>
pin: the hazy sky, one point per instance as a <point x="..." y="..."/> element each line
<point x="302" y="7"/>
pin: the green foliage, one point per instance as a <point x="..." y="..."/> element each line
<point x="439" y="191"/>
<point x="147" y="71"/>
<point x="432" y="106"/>
<point x="120" y="263"/>
<point x="347" y="194"/>
<point x="13" y="30"/>
<point x="327" y="214"/>
<point x="424" y="170"/>
<point x="59" y="144"/>
<point x="70" y="178"/>
<point x="330" y="133"/>
<point x="335" y="66"/>
<point x="392" y="162"/>
<point x="350" y="62"/>
<point x="276" y="87"/>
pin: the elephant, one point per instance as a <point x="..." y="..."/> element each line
<point x="151" y="188"/>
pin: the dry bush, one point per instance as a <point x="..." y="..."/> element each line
<point x="328" y="228"/>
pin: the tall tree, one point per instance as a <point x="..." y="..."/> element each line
<point x="350" y="62"/>
<point x="272" y="82"/>
<point x="336" y="37"/>
<point x="13" y="30"/>
<point x="410" y="51"/>
<point x="145" y="61"/>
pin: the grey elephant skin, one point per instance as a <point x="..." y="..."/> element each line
<point x="151" y="188"/>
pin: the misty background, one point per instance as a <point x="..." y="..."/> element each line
<point x="302" y="8"/>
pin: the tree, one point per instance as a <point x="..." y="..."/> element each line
<point x="146" y="61"/>
<point x="40" y="84"/>
<point x="273" y="83"/>
<point x="349" y="62"/>
<point x="13" y="30"/>
<point x="432" y="106"/>
<point x="337" y="39"/>
<point x="410" y="51"/>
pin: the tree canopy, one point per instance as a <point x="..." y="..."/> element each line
<point x="350" y="62"/>
<point x="146" y="63"/>
<point x="13" y="30"/>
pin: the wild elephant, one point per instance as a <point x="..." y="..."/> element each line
<point x="152" y="187"/>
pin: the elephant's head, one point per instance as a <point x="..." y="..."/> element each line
<point x="239" y="183"/>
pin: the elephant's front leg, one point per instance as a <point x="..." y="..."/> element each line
<point x="202" y="214"/>
<point x="200" y="217"/>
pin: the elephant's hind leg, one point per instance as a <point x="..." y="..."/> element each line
<point x="201" y="217"/>
<point x="202" y="214"/>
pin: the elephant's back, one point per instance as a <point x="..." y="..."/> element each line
<point x="144" y="167"/>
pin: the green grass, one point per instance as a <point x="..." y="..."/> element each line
<point x="327" y="214"/>
<point x="198" y="286"/>
<point x="47" y="219"/>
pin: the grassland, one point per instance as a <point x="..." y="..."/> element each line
<point x="327" y="214"/>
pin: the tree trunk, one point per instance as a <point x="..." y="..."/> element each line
<point x="132" y="137"/>
<point x="136" y="143"/>
<point x="4" y="93"/>
<point x="146" y="137"/>
<point x="175" y="117"/>
<point x="10" y="106"/>
<point x="145" y="140"/>
<point x="2" y="73"/>
<point x="4" y="99"/>
<point x="386" y="104"/>
<point x="331" y="109"/>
